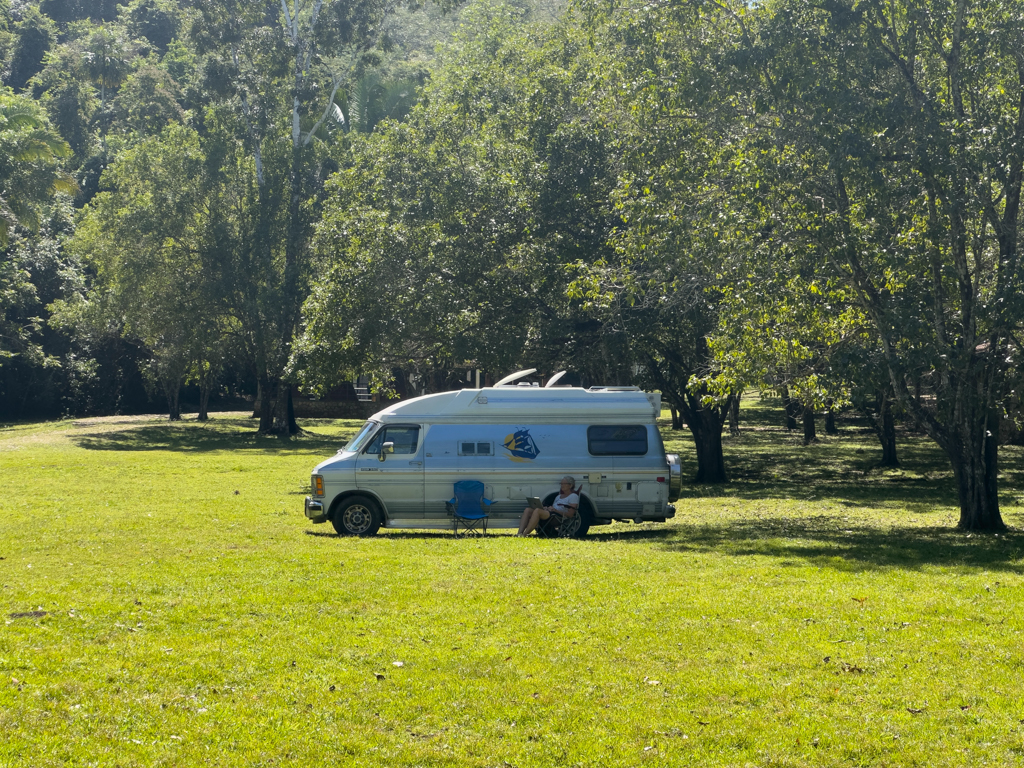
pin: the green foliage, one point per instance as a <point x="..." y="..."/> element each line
<point x="452" y="237"/>
<point x="372" y="100"/>
<point x="879" y="123"/>
<point x="29" y="174"/>
<point x="33" y="36"/>
<point x="151" y="239"/>
<point x="148" y="101"/>
<point x="157" y="21"/>
<point x="68" y="11"/>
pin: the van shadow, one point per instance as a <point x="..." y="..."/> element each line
<point x="506" y="533"/>
<point x="403" y="534"/>
<point x="826" y="542"/>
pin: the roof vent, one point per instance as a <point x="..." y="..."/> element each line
<point x="515" y="377"/>
<point x="553" y="379"/>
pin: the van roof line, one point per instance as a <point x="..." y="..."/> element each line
<point x="503" y="403"/>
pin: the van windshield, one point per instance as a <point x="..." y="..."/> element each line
<point x="362" y="435"/>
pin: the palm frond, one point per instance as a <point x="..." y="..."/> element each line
<point x="19" y="114"/>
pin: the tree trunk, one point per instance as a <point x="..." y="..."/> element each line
<point x="706" y="423"/>
<point x="810" y="434"/>
<point x="886" y="429"/>
<point x="266" y="405"/>
<point x="734" y="415"/>
<point x="970" y="438"/>
<point x="293" y="426"/>
<point x="677" y="419"/>
<point x="284" y="412"/>
<point x="791" y="407"/>
<point x="830" y="420"/>
<point x="975" y="459"/>
<point x="205" y="387"/>
<point x="172" y="390"/>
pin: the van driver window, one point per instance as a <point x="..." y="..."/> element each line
<point x="617" y="440"/>
<point x="406" y="440"/>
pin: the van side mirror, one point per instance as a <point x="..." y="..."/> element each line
<point x="385" y="450"/>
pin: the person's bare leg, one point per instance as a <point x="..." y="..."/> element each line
<point x="524" y="520"/>
<point x="540" y="514"/>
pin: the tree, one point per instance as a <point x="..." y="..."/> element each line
<point x="661" y="90"/>
<point x="29" y="155"/>
<point x="281" y="66"/>
<point x="452" y="238"/>
<point x="899" y="128"/>
<point x="151" y="240"/>
<point x="155" y="20"/>
<point x="30" y="176"/>
<point x="33" y="36"/>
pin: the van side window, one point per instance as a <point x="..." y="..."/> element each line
<point x="474" y="448"/>
<point x="617" y="440"/>
<point x="406" y="440"/>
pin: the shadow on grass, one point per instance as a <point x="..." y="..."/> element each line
<point x="817" y="541"/>
<point x="223" y="435"/>
<point x="828" y="543"/>
<point x="406" y="533"/>
<point x="632" y="534"/>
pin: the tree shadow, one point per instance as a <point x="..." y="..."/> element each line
<point x="632" y="534"/>
<point x="828" y="542"/>
<point x="194" y="438"/>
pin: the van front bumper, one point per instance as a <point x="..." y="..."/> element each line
<point x="315" y="510"/>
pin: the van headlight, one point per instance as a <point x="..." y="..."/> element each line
<point x="318" y="485"/>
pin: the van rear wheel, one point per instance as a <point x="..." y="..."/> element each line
<point x="575" y="527"/>
<point x="356" y="516"/>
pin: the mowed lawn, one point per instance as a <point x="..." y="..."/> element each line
<point x="164" y="602"/>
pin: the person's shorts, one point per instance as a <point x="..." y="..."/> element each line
<point x="553" y="523"/>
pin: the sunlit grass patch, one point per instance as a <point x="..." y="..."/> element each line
<point x="164" y="602"/>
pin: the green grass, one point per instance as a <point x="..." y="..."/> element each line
<point x="813" y="612"/>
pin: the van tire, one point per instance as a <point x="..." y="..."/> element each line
<point x="356" y="516"/>
<point x="579" y="524"/>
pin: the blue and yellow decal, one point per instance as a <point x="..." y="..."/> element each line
<point x="521" y="446"/>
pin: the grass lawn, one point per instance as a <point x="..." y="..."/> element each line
<point x="164" y="602"/>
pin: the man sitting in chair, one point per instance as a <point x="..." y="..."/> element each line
<point x="564" y="506"/>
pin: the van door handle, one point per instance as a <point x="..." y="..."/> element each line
<point x="415" y="463"/>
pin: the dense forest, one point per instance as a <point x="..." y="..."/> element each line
<point x="703" y="198"/>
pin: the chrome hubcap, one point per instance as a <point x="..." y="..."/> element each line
<point x="357" y="518"/>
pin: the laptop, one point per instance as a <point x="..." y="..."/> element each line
<point x="534" y="502"/>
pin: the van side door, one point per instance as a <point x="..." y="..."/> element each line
<point x="398" y="479"/>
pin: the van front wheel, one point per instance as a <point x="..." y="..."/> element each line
<point x="356" y="516"/>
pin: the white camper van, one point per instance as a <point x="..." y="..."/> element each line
<point x="519" y="440"/>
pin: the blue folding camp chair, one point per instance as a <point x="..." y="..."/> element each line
<point x="468" y="507"/>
